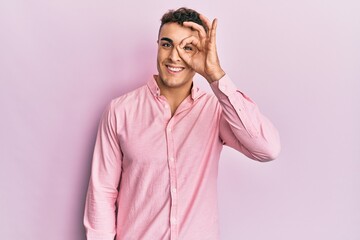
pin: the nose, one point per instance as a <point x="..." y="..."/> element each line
<point x="174" y="55"/>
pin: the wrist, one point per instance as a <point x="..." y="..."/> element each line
<point x="217" y="75"/>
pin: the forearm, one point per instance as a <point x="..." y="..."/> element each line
<point x="100" y="209"/>
<point x="251" y="129"/>
<point x="99" y="217"/>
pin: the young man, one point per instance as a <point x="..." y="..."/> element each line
<point x="155" y="163"/>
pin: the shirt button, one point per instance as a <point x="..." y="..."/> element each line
<point x="171" y="159"/>
<point x="173" y="190"/>
<point x="166" y="106"/>
<point x="173" y="221"/>
<point x="169" y="129"/>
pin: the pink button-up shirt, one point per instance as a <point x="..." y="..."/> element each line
<point x="154" y="176"/>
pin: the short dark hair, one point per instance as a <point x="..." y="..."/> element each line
<point x="182" y="15"/>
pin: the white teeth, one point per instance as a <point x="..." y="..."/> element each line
<point x="174" y="69"/>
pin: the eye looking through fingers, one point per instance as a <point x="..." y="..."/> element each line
<point x="189" y="48"/>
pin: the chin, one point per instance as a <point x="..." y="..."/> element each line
<point x="175" y="81"/>
<point x="171" y="82"/>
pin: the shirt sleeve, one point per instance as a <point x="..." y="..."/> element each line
<point x="100" y="207"/>
<point x="242" y="126"/>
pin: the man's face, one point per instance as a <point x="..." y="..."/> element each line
<point x="173" y="71"/>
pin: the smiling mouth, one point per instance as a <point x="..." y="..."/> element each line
<point x="173" y="69"/>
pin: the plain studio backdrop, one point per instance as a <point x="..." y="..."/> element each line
<point x="62" y="61"/>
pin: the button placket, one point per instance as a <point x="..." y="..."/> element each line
<point x="173" y="180"/>
<point x="166" y="108"/>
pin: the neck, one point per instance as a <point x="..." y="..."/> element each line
<point x="174" y="95"/>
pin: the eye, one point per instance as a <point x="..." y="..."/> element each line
<point x="188" y="48"/>
<point x="166" y="45"/>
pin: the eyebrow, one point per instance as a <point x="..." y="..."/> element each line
<point x="166" y="39"/>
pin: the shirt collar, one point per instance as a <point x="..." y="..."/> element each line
<point x="155" y="90"/>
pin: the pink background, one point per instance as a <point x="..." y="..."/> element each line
<point x="62" y="61"/>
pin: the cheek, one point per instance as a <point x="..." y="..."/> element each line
<point x="158" y="62"/>
<point x="161" y="55"/>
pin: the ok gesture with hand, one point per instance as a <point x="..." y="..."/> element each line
<point x="205" y="60"/>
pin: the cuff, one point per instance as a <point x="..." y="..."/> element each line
<point x="223" y="87"/>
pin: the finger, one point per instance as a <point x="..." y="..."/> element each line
<point x="213" y="31"/>
<point x="183" y="55"/>
<point x="206" y="21"/>
<point x="192" y="40"/>
<point x="196" y="27"/>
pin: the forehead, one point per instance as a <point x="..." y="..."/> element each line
<point x="176" y="32"/>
